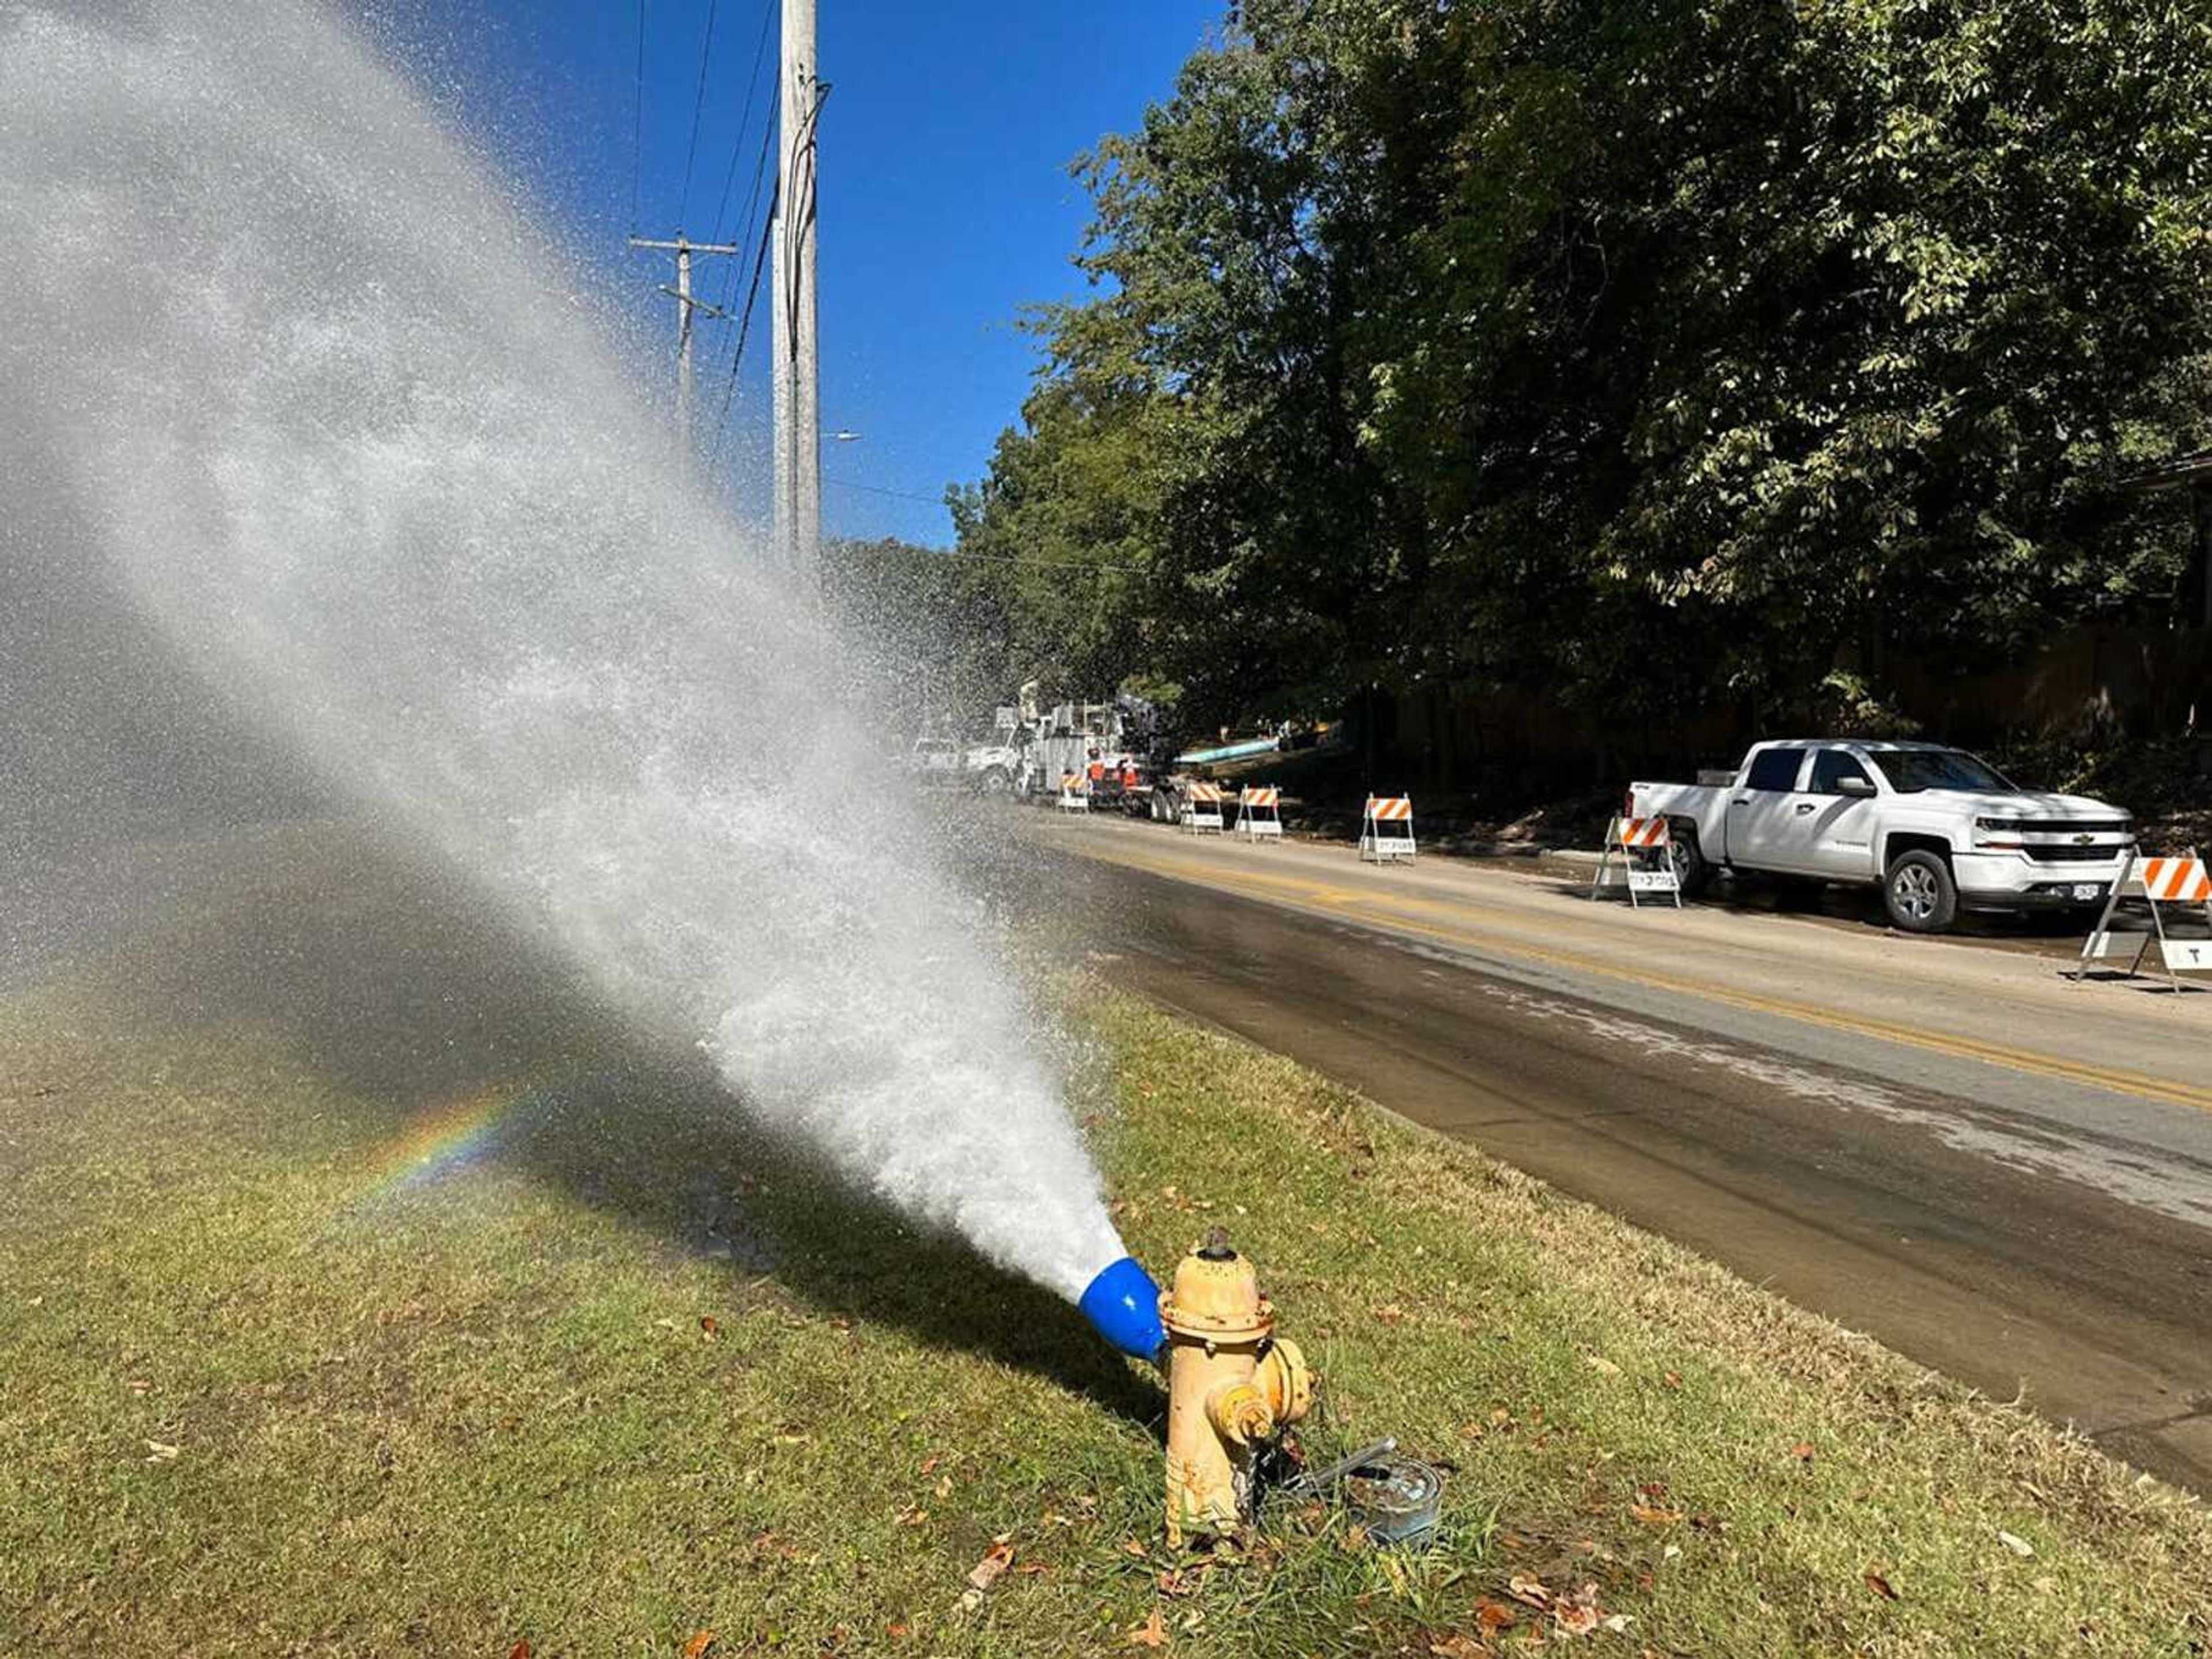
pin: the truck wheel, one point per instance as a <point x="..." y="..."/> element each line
<point x="994" y="783"/>
<point x="1919" y="894"/>
<point x="1690" y="870"/>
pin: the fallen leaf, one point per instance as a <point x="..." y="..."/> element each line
<point x="1457" y="1647"/>
<point x="2016" y="1544"/>
<point x="1601" y="1365"/>
<point x="1879" y="1586"/>
<point x="898" y="1630"/>
<point x="698" y="1644"/>
<point x="159" y="1451"/>
<point x="1391" y="1314"/>
<point x="2046" y="1584"/>
<point x="1131" y="1547"/>
<point x="1672" y="1379"/>
<point x="1523" y="1587"/>
<point x="944" y="1485"/>
<point x="1651" y="1516"/>
<point x="1493" y="1615"/>
<point x="929" y="1465"/>
<point x="1802" y="1451"/>
<point x="985" y="1573"/>
<point x="1616" y="1622"/>
<point x="970" y="1599"/>
<point x="1174" y="1582"/>
<point x="521" y="1650"/>
<point x="1572" y="1619"/>
<point x="1153" y="1633"/>
<point x="712" y="1326"/>
<point x="912" y="1518"/>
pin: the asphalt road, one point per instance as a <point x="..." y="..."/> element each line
<point x="2004" y="1174"/>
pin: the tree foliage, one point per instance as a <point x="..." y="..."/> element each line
<point x="1644" y="352"/>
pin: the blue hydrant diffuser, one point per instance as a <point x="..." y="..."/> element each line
<point x="1123" y="1305"/>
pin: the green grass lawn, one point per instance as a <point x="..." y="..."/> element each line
<point x="301" y="1361"/>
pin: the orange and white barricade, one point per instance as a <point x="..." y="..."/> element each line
<point x="1075" y="793"/>
<point x="1645" y="849"/>
<point x="1260" y="813"/>
<point x="2159" y="884"/>
<point x="1201" y="809"/>
<point x="1386" y="829"/>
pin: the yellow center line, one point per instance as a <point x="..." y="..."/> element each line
<point x="1387" y="911"/>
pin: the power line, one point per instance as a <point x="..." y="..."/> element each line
<point x="753" y="195"/>
<point x="1000" y="558"/>
<point x="744" y="124"/>
<point x="744" y="329"/>
<point x="698" y="107"/>
<point x="878" y="490"/>
<point x="637" y="120"/>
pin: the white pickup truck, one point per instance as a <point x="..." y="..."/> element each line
<point x="1936" y="829"/>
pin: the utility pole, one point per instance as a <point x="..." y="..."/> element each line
<point x="797" y="389"/>
<point x="686" y="305"/>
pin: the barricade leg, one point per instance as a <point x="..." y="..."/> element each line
<point x="1615" y="842"/>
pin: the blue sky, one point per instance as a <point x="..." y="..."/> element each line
<point x="945" y="200"/>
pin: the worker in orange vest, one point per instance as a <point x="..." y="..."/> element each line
<point x="1097" y="769"/>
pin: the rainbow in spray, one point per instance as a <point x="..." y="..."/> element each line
<point x="446" y="1138"/>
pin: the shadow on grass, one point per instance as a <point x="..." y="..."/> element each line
<point x="395" y="985"/>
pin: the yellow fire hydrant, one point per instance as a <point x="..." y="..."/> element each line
<point x="1232" y="1386"/>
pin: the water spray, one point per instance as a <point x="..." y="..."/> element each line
<point x="423" y="530"/>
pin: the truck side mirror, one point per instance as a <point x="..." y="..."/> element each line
<point x="1862" y="787"/>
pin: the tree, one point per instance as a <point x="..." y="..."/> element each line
<point x="1646" y="355"/>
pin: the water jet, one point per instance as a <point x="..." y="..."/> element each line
<point x="425" y="535"/>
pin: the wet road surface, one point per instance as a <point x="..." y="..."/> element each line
<point x="2032" y="1216"/>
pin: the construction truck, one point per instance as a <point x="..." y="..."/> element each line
<point x="1099" y="742"/>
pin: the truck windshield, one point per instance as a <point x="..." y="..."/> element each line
<point x="1911" y="770"/>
